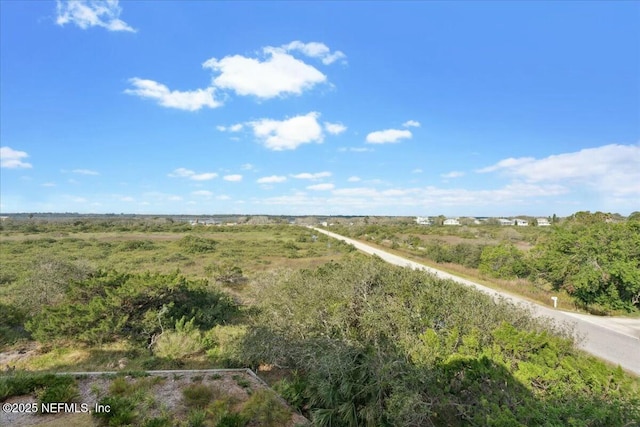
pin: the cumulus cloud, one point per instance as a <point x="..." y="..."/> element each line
<point x="452" y="174"/>
<point x="312" y="176"/>
<point x="411" y="123"/>
<point x="354" y="179"/>
<point x="288" y="134"/>
<point x="277" y="75"/>
<point x="417" y="170"/>
<point x="321" y="187"/>
<point x="388" y="136"/>
<point x="334" y="128"/>
<point x="12" y="159"/>
<point x="188" y="173"/>
<point x="189" y="100"/>
<point x="273" y="179"/>
<point x="91" y="13"/>
<point x="611" y="169"/>
<point x="315" y="50"/>
<point x="233" y="178"/>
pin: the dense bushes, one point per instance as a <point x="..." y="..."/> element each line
<point x="377" y="345"/>
<point x="503" y="261"/>
<point x="595" y="261"/>
<point x="111" y="305"/>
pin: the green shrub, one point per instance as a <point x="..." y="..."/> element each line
<point x="182" y="342"/>
<point x="21" y="382"/>
<point x="62" y="392"/>
<point x="265" y="409"/>
<point x="197" y="245"/>
<point x="232" y="420"/>
<point x="112" y="305"/>
<point x="197" y="418"/>
<point x="198" y="396"/>
<point x="122" y="411"/>
<point x="503" y="261"/>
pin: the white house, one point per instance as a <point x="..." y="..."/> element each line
<point x="543" y="222"/>
<point x="451" y="221"/>
<point x="521" y="222"/>
<point x="423" y="220"/>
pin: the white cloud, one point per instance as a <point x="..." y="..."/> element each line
<point x="388" y="136"/>
<point x="233" y="178"/>
<point x="312" y="176"/>
<point x="411" y="123"/>
<point x="452" y="174"/>
<point x="321" y="187"/>
<point x="354" y="179"/>
<point x="12" y="159"/>
<point x="127" y="199"/>
<point x="233" y="128"/>
<point x="85" y="172"/>
<point x="247" y="166"/>
<point x="273" y="179"/>
<point x="223" y="197"/>
<point x="189" y="100"/>
<point x="315" y="50"/>
<point x="49" y="184"/>
<point x="334" y="128"/>
<point x="279" y="74"/>
<point x="354" y="149"/>
<point x="417" y="170"/>
<point x="613" y="170"/>
<point x="288" y="134"/>
<point x="506" y="164"/>
<point x="92" y="13"/>
<point x="188" y="173"/>
<point x="202" y="193"/>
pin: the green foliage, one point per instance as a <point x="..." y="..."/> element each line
<point x="111" y="305"/>
<point x="197" y="396"/>
<point x="20" y="383"/>
<point x="60" y="392"/>
<point x="122" y="411"/>
<point x="293" y="390"/>
<point x="197" y="245"/>
<point x="224" y="345"/>
<point x="263" y="408"/>
<point x="232" y="420"/>
<point x="11" y="322"/>
<point x="596" y="262"/>
<point x="378" y="345"/>
<point x="503" y="261"/>
<point x="184" y="341"/>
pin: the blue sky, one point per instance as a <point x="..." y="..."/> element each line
<point x="351" y="108"/>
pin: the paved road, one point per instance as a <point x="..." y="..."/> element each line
<point x="616" y="340"/>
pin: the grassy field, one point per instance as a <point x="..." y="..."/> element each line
<point x="345" y="338"/>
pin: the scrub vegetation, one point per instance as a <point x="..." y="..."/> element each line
<point x="586" y="258"/>
<point x="346" y="339"/>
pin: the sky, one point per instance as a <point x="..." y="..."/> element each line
<point x="326" y="108"/>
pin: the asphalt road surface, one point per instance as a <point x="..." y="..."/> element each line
<point x="614" y="339"/>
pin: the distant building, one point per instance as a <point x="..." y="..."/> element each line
<point x="451" y="221"/>
<point x="543" y="222"/>
<point x="521" y="222"/>
<point x="504" y="221"/>
<point x="423" y="220"/>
